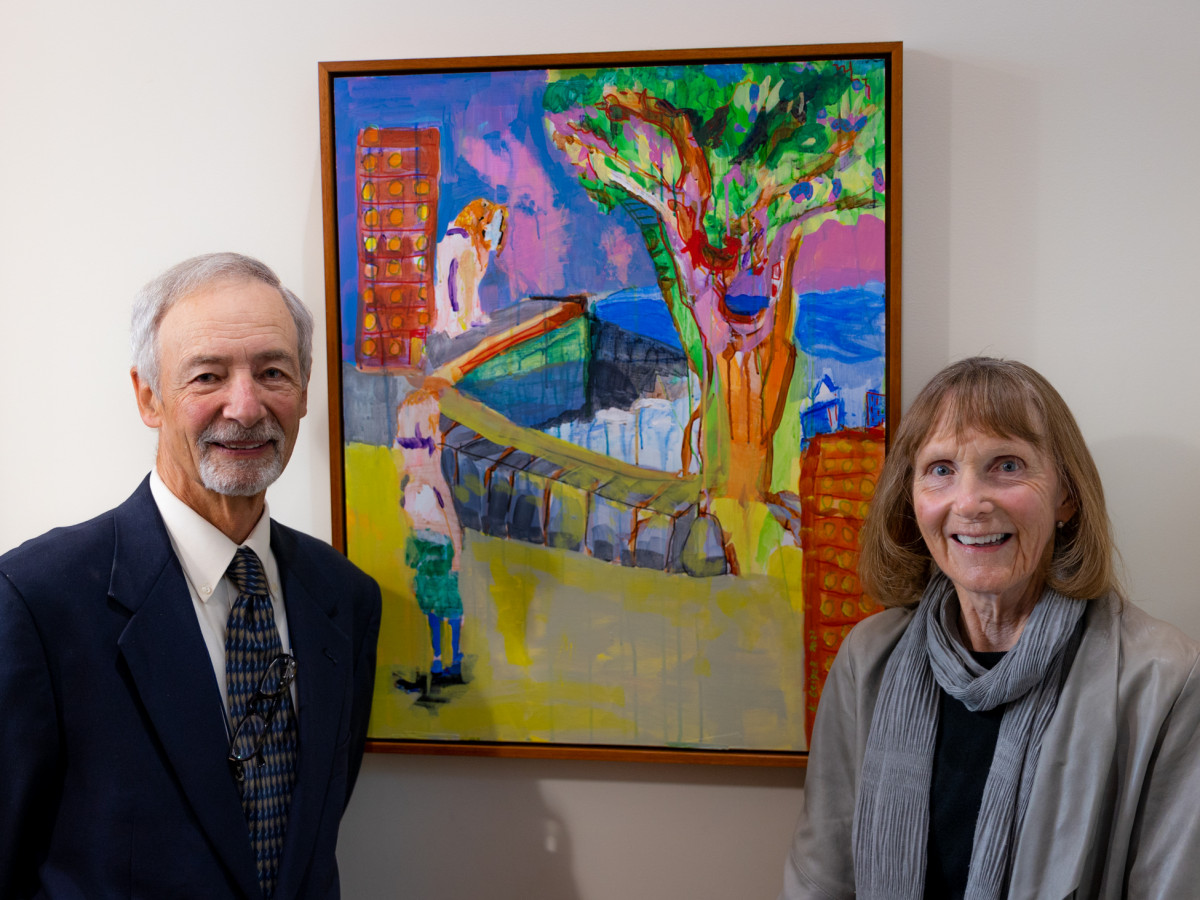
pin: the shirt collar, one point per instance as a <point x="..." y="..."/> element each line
<point x="203" y="550"/>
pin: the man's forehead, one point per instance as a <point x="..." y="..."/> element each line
<point x="229" y="306"/>
<point x="229" y="322"/>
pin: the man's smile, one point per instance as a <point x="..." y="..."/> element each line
<point x="241" y="445"/>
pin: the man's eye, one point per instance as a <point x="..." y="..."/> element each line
<point x="206" y="378"/>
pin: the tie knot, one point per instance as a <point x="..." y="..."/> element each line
<point x="247" y="572"/>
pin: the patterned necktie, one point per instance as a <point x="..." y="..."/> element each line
<point x="251" y="642"/>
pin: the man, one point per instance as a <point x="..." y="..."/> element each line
<point x="153" y="744"/>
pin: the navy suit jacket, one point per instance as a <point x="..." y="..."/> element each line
<point x="113" y="773"/>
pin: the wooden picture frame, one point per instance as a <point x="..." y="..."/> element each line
<point x="614" y="348"/>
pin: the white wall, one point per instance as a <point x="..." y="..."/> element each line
<point x="1050" y="200"/>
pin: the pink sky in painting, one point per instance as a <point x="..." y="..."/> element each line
<point x="537" y="244"/>
<point x="840" y="256"/>
<point x="534" y="254"/>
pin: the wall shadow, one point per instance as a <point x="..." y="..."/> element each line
<point x="1161" y="568"/>
<point x="448" y="827"/>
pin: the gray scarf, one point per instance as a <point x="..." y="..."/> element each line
<point x="891" y="819"/>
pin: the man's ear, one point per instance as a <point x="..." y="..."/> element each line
<point x="147" y="401"/>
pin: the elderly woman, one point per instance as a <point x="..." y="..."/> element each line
<point x="1010" y="726"/>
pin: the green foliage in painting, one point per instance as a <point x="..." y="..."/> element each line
<point x="725" y="168"/>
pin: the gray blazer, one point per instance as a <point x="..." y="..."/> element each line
<point x="1115" y="810"/>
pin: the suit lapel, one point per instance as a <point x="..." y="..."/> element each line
<point x="324" y="661"/>
<point x="172" y="671"/>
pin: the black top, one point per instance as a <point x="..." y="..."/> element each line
<point x="962" y="756"/>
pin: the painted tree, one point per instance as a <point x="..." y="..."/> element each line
<point x="726" y="168"/>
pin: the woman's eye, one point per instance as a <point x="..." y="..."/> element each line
<point x="941" y="470"/>
<point x="1010" y="465"/>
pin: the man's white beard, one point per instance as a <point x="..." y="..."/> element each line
<point x="241" y="478"/>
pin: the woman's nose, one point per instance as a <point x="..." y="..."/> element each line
<point x="971" y="496"/>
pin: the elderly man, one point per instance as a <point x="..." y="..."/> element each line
<point x="185" y="684"/>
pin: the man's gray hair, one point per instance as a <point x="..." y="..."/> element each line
<point x="155" y="300"/>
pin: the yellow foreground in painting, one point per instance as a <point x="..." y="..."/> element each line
<point x="560" y="647"/>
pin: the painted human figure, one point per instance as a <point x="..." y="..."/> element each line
<point x="463" y="255"/>
<point x="434" y="545"/>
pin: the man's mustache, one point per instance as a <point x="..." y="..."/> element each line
<point x="232" y="433"/>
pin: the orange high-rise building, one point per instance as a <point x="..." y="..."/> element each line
<point x="397" y="180"/>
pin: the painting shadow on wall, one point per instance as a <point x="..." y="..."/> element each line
<point x="518" y="846"/>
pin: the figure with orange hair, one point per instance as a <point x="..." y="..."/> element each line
<point x="463" y="255"/>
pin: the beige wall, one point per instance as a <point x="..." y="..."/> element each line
<point x="1050" y="201"/>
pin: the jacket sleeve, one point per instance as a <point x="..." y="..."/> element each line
<point x="1165" y="843"/>
<point x="364" y="678"/>
<point x="820" y="864"/>
<point x="29" y="747"/>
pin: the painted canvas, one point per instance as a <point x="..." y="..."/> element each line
<point x="613" y="349"/>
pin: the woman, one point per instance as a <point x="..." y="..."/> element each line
<point x="1010" y="727"/>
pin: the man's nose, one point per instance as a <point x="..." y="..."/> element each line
<point x="243" y="404"/>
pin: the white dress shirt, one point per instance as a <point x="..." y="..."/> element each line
<point x="205" y="553"/>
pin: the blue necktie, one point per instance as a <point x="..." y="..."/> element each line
<point x="251" y="642"/>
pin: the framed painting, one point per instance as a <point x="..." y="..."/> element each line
<point x="613" y="353"/>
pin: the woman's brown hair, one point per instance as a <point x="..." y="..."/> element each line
<point x="1007" y="399"/>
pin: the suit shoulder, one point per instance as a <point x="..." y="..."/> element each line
<point x="880" y="631"/>
<point x="67" y="553"/>
<point x="870" y="643"/>
<point x="320" y="555"/>
<point x="1150" y="642"/>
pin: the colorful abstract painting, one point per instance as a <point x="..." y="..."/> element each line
<point x="610" y="359"/>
